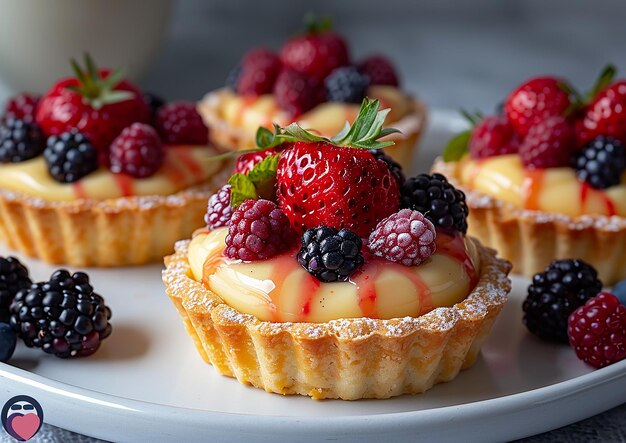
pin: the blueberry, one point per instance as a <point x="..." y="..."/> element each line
<point x="620" y="291"/>
<point x="8" y="338"/>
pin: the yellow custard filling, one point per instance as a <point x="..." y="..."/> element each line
<point x="555" y="190"/>
<point x="279" y="289"/>
<point x="328" y="118"/>
<point x="183" y="167"/>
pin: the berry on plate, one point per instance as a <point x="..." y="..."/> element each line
<point x="258" y="230"/>
<point x="536" y="100"/>
<point x="259" y="69"/>
<point x="8" y="340"/>
<point x="96" y="102"/>
<point x="601" y="162"/>
<point x="137" y="151"/>
<point x="219" y="212"/>
<point x="62" y="316"/>
<point x="439" y="201"/>
<point x="70" y="157"/>
<point x="179" y="123"/>
<point x="406" y="237"/>
<point x="329" y="254"/>
<point x="379" y="70"/>
<point x="346" y="85"/>
<point x="13" y="277"/>
<point x="555" y="293"/>
<point x="550" y="143"/>
<point x="20" y="141"/>
<point x="597" y="330"/>
<point x="297" y="92"/>
<point x="317" y="52"/>
<point x="22" y="107"/>
<point x="493" y="136"/>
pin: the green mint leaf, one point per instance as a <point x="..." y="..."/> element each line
<point x="241" y="189"/>
<point x="457" y="147"/>
<point x="265" y="137"/>
<point x="264" y="170"/>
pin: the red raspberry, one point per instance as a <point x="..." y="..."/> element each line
<point x="219" y="211"/>
<point x="22" y="107"/>
<point x="137" y="151"/>
<point x="259" y="69"/>
<point x="549" y="144"/>
<point x="493" y="136"/>
<point x="258" y="230"/>
<point x="297" y="92"/>
<point x="535" y="101"/>
<point x="315" y="53"/>
<point x="379" y="70"/>
<point x="406" y="237"/>
<point x="179" y="123"/>
<point x="246" y="162"/>
<point x="597" y="330"/>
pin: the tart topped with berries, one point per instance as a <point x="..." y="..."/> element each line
<point x="93" y="164"/>
<point x="324" y="272"/>
<point x="547" y="179"/>
<point x="312" y="81"/>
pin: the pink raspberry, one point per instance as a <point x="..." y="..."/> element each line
<point x="549" y="144"/>
<point x="179" y="123"/>
<point x="137" y="151"/>
<point x="405" y="237"/>
<point x="258" y="230"/>
<point x="597" y="330"/>
<point x="219" y="211"/>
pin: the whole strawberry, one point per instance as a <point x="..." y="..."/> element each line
<point x="259" y="69"/>
<point x="96" y="102"/>
<point x="605" y="115"/>
<point x="317" y="52"/>
<point x="549" y="144"/>
<point x="536" y="100"/>
<point x="493" y="136"/>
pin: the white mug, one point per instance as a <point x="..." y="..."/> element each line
<point x="38" y="38"/>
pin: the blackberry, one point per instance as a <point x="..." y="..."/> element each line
<point x="154" y="103"/>
<point x="346" y="85"/>
<point x="601" y="162"/>
<point x="70" y="156"/>
<point x="394" y="166"/>
<point x="441" y="203"/>
<point x="63" y="316"/>
<point x="20" y="141"/>
<point x="330" y="255"/>
<point x="233" y="78"/>
<point x="13" y="277"/>
<point x="555" y="293"/>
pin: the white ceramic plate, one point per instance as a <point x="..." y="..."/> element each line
<point x="147" y="382"/>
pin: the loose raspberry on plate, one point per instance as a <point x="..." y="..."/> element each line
<point x="346" y="85"/>
<point x="137" y="151"/>
<point x="258" y="230"/>
<point x="297" y="92"/>
<point x="20" y="141"/>
<point x="549" y="144"/>
<point x="259" y="70"/>
<point x="379" y="70"/>
<point x="219" y="211"/>
<point x="535" y="101"/>
<point x="179" y="123"/>
<point x="22" y="106"/>
<point x="329" y="254"/>
<point x="555" y="293"/>
<point x="597" y="330"/>
<point x="493" y="136"/>
<point x="70" y="157"/>
<point x="602" y="162"/>
<point x="406" y="237"/>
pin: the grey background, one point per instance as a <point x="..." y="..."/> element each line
<point x="451" y="53"/>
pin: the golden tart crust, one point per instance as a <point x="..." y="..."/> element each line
<point x="226" y="136"/>
<point x="349" y="358"/>
<point x="532" y="239"/>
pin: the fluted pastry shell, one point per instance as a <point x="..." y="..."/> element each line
<point x="103" y="233"/>
<point x="349" y="358"/>
<point x="227" y="136"/>
<point x="532" y="239"/>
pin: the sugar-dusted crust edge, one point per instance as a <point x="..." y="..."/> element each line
<point x="532" y="239"/>
<point x="102" y="233"/>
<point x="348" y="359"/>
<point x="224" y="135"/>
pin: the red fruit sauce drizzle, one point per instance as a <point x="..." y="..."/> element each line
<point x="125" y="183"/>
<point x="586" y="189"/>
<point x="190" y="163"/>
<point x="531" y="189"/>
<point x="79" y="190"/>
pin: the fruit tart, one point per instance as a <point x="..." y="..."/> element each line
<point x="546" y="179"/>
<point x="94" y="173"/>
<point x="312" y="81"/>
<point x="316" y="276"/>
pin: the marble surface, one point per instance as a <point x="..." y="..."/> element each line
<point x="452" y="54"/>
